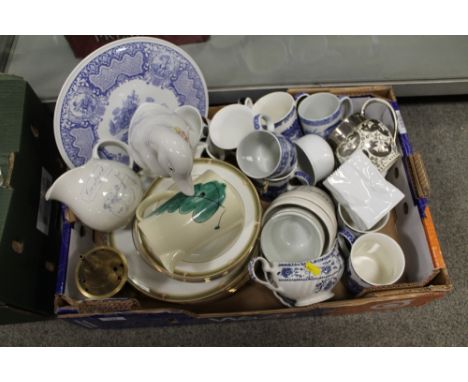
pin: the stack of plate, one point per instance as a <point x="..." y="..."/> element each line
<point x="195" y="282"/>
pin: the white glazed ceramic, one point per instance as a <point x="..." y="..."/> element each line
<point x="196" y="228"/>
<point x="103" y="194"/>
<point x="160" y="286"/>
<point x="280" y="108"/>
<point x="230" y="257"/>
<point x="300" y="283"/>
<point x="101" y="94"/>
<point x="375" y="260"/>
<point x="315" y="157"/>
<point x="314" y="200"/>
<point x="292" y="235"/>
<point x="348" y="232"/>
<point x="320" y="113"/>
<point x="163" y="142"/>
<point x="264" y="154"/>
<point x="215" y="152"/>
<point x="270" y="189"/>
<point x="233" y="123"/>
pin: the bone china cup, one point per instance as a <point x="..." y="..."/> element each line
<point x="194" y="228"/>
<point x="264" y="154"/>
<point x="320" y="113"/>
<point x="300" y="283"/>
<point x="375" y="260"/>
<point x="280" y="108"/>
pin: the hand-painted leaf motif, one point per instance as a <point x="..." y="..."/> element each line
<point x="207" y="199"/>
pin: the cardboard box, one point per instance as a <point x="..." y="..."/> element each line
<point x="425" y="278"/>
<point x="29" y="239"/>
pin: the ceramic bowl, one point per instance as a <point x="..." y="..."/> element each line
<point x="292" y="234"/>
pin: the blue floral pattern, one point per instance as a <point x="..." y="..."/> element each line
<point x="155" y="63"/>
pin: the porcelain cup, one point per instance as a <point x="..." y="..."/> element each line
<point x="315" y="157"/>
<point x="300" y="283"/>
<point x="232" y="123"/>
<point x="320" y="113"/>
<point x="269" y="189"/>
<point x="263" y="154"/>
<point x="176" y="227"/>
<point x="280" y="108"/>
<point x="215" y="152"/>
<point x="375" y="260"/>
<point x="349" y="232"/>
<point x="292" y="235"/>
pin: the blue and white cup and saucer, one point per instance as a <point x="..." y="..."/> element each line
<point x="321" y="113"/>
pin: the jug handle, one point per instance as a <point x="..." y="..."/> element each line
<point x="389" y="107"/>
<point x="115" y="142"/>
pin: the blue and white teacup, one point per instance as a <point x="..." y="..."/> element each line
<point x="263" y="154"/>
<point x="270" y="189"/>
<point x="280" y="108"/>
<point x="320" y="113"/>
<point x="300" y="283"/>
<point x="349" y="231"/>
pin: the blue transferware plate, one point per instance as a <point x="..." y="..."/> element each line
<point x="101" y="94"/>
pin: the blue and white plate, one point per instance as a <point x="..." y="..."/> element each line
<point x="101" y="94"/>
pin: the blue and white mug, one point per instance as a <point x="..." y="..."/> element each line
<point x="281" y="109"/>
<point x="375" y="260"/>
<point x="269" y="189"/>
<point x="349" y="231"/>
<point x="263" y="154"/>
<point x="300" y="283"/>
<point x="320" y="113"/>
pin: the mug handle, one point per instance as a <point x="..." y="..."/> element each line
<point x="389" y="107"/>
<point x="266" y="268"/>
<point x="145" y="203"/>
<point x="263" y="122"/>
<point x="300" y="97"/>
<point x="247" y="101"/>
<point x="346" y="240"/>
<point x="205" y="128"/>
<point x="115" y="142"/>
<point x="303" y="178"/>
<point x="348" y="105"/>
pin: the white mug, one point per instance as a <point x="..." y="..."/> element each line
<point x="194" y="228"/>
<point x="315" y="157"/>
<point x="280" y="108"/>
<point x="300" y="283"/>
<point x="375" y="260"/>
<point x="320" y="113"/>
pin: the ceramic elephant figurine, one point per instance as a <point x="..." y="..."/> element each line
<point x="162" y="142"/>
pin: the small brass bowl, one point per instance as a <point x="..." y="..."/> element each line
<point x="101" y="272"/>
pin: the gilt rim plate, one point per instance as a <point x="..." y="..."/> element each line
<point x="101" y="94"/>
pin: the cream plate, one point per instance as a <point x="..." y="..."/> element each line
<point x="158" y="285"/>
<point x="243" y="246"/>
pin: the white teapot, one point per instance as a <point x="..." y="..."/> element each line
<point x="162" y="142"/>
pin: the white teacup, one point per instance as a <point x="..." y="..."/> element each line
<point x="292" y="235"/>
<point x="320" y="113"/>
<point x="315" y="157"/>
<point x="375" y="260"/>
<point x="197" y="228"/>
<point x="280" y="108"/>
<point x="300" y="283"/>
<point x="232" y="123"/>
